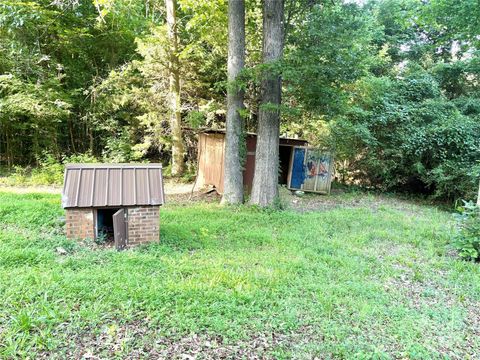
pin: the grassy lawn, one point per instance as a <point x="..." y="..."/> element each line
<point x="367" y="279"/>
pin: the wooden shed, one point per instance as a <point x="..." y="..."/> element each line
<point x="118" y="202"/>
<point x="300" y="166"/>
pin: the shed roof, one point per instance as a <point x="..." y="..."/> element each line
<point x="99" y="185"/>
<point x="224" y="131"/>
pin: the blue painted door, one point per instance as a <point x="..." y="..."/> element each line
<point x="298" y="168"/>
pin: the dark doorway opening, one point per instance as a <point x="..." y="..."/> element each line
<point x="105" y="231"/>
<point x="285" y="153"/>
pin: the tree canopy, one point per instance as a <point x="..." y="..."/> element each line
<point x="392" y="86"/>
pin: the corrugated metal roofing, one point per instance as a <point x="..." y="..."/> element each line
<point x="224" y="131"/>
<point x="99" y="185"/>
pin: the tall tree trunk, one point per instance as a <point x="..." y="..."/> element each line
<point x="178" y="148"/>
<point x="72" y="138"/>
<point x="233" y="177"/>
<point x="91" y="140"/>
<point x="478" y="196"/>
<point x="265" y="181"/>
<point x="8" y="149"/>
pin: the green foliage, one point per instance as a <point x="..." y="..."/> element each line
<point x="411" y="123"/>
<point x="30" y="117"/>
<point x="195" y="119"/>
<point x="391" y="85"/>
<point x="101" y="238"/>
<point x="80" y="158"/>
<point x="453" y="19"/>
<point x="467" y="238"/>
<point x="50" y="53"/>
<point x="50" y="171"/>
<point x="404" y="134"/>
<point x="331" y="47"/>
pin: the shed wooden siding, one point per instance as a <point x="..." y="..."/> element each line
<point x="103" y="185"/>
<point x="211" y="147"/>
<point x="211" y="152"/>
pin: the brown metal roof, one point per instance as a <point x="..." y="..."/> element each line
<point x="224" y="131"/>
<point x="99" y="185"/>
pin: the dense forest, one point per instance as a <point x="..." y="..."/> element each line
<point x="391" y="86"/>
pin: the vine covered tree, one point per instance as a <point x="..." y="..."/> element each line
<point x="265" y="180"/>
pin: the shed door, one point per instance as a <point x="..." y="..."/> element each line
<point x="311" y="170"/>
<point x="120" y="229"/>
<point x="297" y="176"/>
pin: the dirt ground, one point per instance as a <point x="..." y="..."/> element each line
<point x="181" y="193"/>
<point x="31" y="189"/>
<point x="171" y="187"/>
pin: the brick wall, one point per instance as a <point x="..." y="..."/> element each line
<point x="79" y="223"/>
<point x="143" y="224"/>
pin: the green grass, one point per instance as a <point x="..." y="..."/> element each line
<point x="364" y="282"/>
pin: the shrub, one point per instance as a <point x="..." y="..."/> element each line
<point x="101" y="239"/>
<point x="412" y="138"/>
<point x="79" y="158"/>
<point x="467" y="237"/>
<point x="49" y="172"/>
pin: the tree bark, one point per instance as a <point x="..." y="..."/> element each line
<point x="478" y="196"/>
<point x="178" y="149"/>
<point x="233" y="177"/>
<point x="265" y="181"/>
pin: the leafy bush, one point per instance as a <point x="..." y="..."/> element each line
<point x="79" y="158"/>
<point x="404" y="134"/>
<point x="102" y="238"/>
<point x="120" y="149"/>
<point x="49" y="172"/>
<point x="467" y="238"/>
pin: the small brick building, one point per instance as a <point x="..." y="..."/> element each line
<point x="118" y="202"/>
